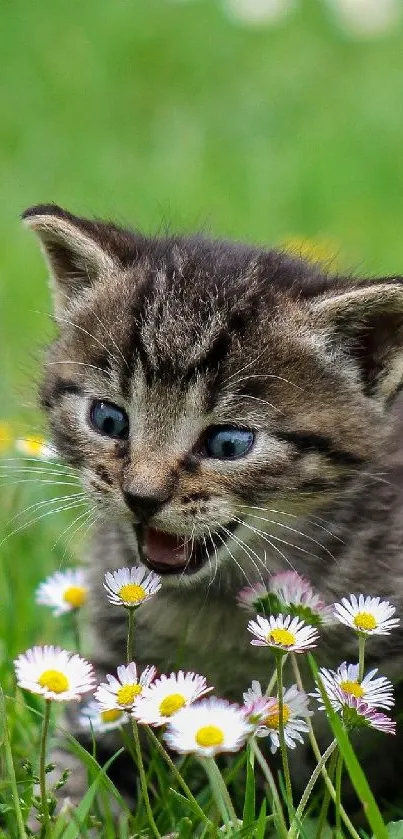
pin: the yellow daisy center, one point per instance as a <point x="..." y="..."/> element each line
<point x="53" y="680"/>
<point x="132" y="593"/>
<point x="31" y="445"/>
<point x="364" y="620"/>
<point x="127" y="693"/>
<point x="171" y="704"/>
<point x="75" y="596"/>
<point x="354" y="688"/>
<point x="273" y="719"/>
<point x="209" y="735"/>
<point x="281" y="636"/>
<point x="111" y="716"/>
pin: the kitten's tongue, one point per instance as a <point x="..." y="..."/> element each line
<point x="164" y="549"/>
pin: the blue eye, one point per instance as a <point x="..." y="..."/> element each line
<point x="227" y="442"/>
<point x="110" y="420"/>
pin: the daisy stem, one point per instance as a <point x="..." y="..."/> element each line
<point x="76" y="630"/>
<point x="296" y="822"/>
<point x="42" y="770"/>
<point x="283" y="747"/>
<point x="361" y="654"/>
<point x="326" y="798"/>
<point x="316" y="750"/>
<point x="221" y="794"/>
<point x="143" y="779"/>
<point x="339" y="773"/>
<point x="177" y="775"/>
<point x="130" y="636"/>
<point x="272" y="785"/>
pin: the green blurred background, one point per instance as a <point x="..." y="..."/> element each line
<point x="160" y="113"/>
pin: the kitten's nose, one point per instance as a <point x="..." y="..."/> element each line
<point x="145" y="505"/>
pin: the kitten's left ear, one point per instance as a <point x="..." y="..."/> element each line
<point x="78" y="251"/>
<point x="367" y="318"/>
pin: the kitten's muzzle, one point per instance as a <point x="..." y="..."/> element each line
<point x="146" y="505"/>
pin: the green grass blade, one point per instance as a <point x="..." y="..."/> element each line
<point x="250" y="791"/>
<point x="355" y="772"/>
<point x="81" y="813"/>
<point x="261" y="822"/>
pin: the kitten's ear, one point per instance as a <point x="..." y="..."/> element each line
<point x="368" y="320"/>
<point x="78" y="251"/>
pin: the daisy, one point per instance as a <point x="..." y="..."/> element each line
<point x="54" y="673"/>
<point x="357" y="713"/>
<point x="208" y="727"/>
<point x="123" y="691"/>
<point x="283" y="633"/>
<point x="368" y="615"/>
<point x="263" y="712"/>
<point x="299" y="598"/>
<point x="167" y="695"/>
<point x="377" y="693"/>
<point x="256" y="599"/>
<point x="130" y="587"/>
<point x="64" y="591"/>
<point x="92" y="718"/>
<point x="35" y="447"/>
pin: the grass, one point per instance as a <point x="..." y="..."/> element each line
<point x="166" y="114"/>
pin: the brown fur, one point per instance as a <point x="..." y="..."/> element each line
<point x="185" y="334"/>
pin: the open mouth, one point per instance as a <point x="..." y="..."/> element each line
<point x="167" y="553"/>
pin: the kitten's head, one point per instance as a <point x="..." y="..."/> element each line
<point x="194" y="382"/>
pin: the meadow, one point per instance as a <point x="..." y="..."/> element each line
<point x="167" y="115"/>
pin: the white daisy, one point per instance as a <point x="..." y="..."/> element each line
<point x="92" y="718"/>
<point x="377" y="693"/>
<point x="123" y="691"/>
<point x="54" y="673"/>
<point x="254" y="598"/>
<point x="31" y="446"/>
<point x="283" y="633"/>
<point x="208" y="727"/>
<point x="64" y="591"/>
<point x="357" y="713"/>
<point x="167" y="695"/>
<point x="258" y="12"/>
<point x="368" y="615"/>
<point x="131" y="587"/>
<point x="365" y="18"/>
<point x="296" y="593"/>
<point x="263" y="711"/>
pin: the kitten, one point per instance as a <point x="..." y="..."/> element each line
<point x="213" y="398"/>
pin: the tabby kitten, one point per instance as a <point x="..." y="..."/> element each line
<point x="213" y="398"/>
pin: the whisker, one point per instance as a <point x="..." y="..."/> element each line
<point x="42" y="481"/>
<point x="265" y="537"/>
<point x="46" y="501"/>
<point x="225" y="545"/>
<point x="39" y="518"/>
<point x="85" y="332"/>
<point x="292" y="530"/>
<point x="293" y="516"/>
<point x="45" y="461"/>
<point x="87" y="516"/>
<point x="31" y="470"/>
<point x="77" y="364"/>
<point x="111" y="338"/>
<point x="248" y="550"/>
<point x="258" y="399"/>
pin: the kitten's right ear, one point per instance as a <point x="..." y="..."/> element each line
<point x="78" y="251"/>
